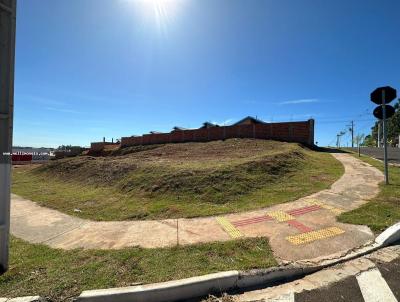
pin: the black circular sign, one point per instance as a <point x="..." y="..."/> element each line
<point x="378" y="112"/>
<point x="390" y="95"/>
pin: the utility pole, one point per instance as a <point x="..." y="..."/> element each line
<point x="7" y="58"/>
<point x="351" y="129"/>
<point x="352" y="134"/>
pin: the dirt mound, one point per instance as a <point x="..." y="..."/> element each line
<point x="178" y="180"/>
<point x="212" y="172"/>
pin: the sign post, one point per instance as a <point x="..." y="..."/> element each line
<point x="385" y="159"/>
<point x="7" y="55"/>
<point x="383" y="96"/>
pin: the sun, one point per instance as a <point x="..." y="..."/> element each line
<point x="162" y="12"/>
<point x="160" y="6"/>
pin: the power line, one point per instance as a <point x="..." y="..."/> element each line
<point x="344" y="121"/>
<point x="350" y="129"/>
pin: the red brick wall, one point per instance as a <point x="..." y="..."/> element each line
<point x="201" y="135"/>
<point x="301" y="132"/>
<point x="215" y="133"/>
<point x="100" y="146"/>
<point x="97" y="146"/>
<point x="231" y="132"/>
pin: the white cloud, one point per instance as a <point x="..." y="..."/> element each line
<point x="299" y="101"/>
<point x="62" y="110"/>
<point x="39" y="99"/>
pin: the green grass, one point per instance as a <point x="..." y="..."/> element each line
<point x="175" y="188"/>
<point x="383" y="210"/>
<point x="61" y="275"/>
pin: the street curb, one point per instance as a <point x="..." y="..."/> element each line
<point x="22" y="299"/>
<point x="218" y="283"/>
<point x="390" y="164"/>
<point x="166" y="291"/>
<point x="389" y="236"/>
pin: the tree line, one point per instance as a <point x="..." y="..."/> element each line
<point x="393" y="130"/>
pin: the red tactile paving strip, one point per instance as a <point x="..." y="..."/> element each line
<point x="298" y="225"/>
<point x="258" y="219"/>
<point x="251" y="220"/>
<point x="305" y="210"/>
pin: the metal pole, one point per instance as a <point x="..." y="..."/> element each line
<point x="379" y="134"/>
<point x="7" y="57"/>
<point x="385" y="137"/>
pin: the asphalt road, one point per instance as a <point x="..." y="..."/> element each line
<point x="354" y="289"/>
<point x="374" y="277"/>
<point x="393" y="153"/>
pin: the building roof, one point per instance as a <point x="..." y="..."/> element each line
<point x="208" y="125"/>
<point x="179" y="128"/>
<point x="155" y="132"/>
<point x="252" y="119"/>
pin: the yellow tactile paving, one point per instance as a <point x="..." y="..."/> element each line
<point x="229" y="228"/>
<point x="281" y="216"/>
<point x="314" y="235"/>
<point x="334" y="210"/>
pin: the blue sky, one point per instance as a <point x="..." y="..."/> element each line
<point x="92" y="68"/>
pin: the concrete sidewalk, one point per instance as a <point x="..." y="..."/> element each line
<point x="303" y="229"/>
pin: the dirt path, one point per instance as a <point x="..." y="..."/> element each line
<point x="302" y="229"/>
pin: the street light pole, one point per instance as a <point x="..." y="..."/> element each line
<point x="7" y="58"/>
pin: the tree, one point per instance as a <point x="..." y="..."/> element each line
<point x="393" y="127"/>
<point x="71" y="149"/>
<point x="369" y="141"/>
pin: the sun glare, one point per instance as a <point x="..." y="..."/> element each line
<point x="161" y="12"/>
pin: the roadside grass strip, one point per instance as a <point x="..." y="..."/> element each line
<point x="314" y="235"/>
<point x="281" y="216"/>
<point x="298" y="225"/>
<point x="229" y="228"/>
<point x="252" y="220"/>
<point x="334" y="210"/>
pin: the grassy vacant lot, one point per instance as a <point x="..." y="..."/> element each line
<point x="179" y="180"/>
<point x="383" y="210"/>
<point x="61" y="275"/>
